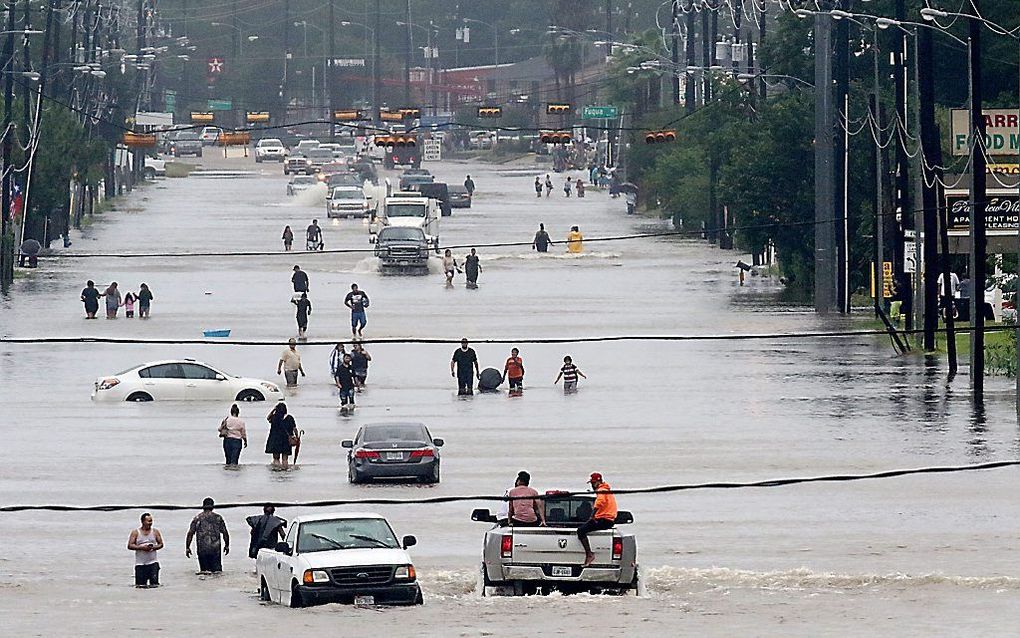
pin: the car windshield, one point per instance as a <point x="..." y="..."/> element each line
<point x="397" y="432"/>
<point x="307" y="179"/>
<point x="401" y="234"/>
<point x="405" y="210"/>
<point x="271" y="144"/>
<point x="345" y="533"/>
<point x="457" y="190"/>
<point x="320" y="154"/>
<point x="340" y="193"/>
<point x="187" y="136"/>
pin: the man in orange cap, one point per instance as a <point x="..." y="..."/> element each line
<point x="602" y="517"/>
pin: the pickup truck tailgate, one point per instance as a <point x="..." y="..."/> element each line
<point x="558" y="546"/>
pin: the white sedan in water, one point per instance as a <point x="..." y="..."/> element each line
<point x="181" y="380"/>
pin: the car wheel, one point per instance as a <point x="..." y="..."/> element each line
<point x="418" y="600"/>
<point x="353" y="477"/>
<point x="250" y="395"/>
<point x="295" y="597"/>
<point x="264" y="591"/>
<point x="434" y="477"/>
<point x="150" y="173"/>
<point x="258" y="160"/>
<point x="198" y="154"/>
<point x="140" y="397"/>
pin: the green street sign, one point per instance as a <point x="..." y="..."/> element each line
<point x="170" y="98"/>
<point x="600" y="112"/>
<point x="220" y="105"/>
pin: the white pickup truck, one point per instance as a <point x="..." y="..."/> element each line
<point x="409" y="210"/>
<point x="524" y="560"/>
<point x="339" y="557"/>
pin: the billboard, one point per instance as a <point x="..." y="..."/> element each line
<point x="1002" y="134"/>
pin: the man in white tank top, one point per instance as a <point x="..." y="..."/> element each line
<point x="145" y="542"/>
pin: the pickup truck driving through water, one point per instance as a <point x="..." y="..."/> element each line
<point x="402" y="249"/>
<point x="340" y="557"/>
<point x="523" y="560"/>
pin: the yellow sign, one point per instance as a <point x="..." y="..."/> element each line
<point x="1003" y="169"/>
<point x="234" y="139"/>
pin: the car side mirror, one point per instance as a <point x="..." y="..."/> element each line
<point x="347" y="443"/>
<point x="283" y="548"/>
<point x="409" y="541"/>
<point x="623" y="518"/>
<point x="220" y="377"/>
<point x="438" y="442"/>
<point x="483" y="516"/>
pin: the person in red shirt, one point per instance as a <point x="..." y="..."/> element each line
<point x="514" y="370"/>
<point x="602" y="517"/>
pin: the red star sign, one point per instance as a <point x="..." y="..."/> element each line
<point x="215" y="65"/>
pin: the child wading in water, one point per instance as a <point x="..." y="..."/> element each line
<point x="129" y="305"/>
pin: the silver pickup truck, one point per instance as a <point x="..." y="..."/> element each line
<point x="527" y="560"/>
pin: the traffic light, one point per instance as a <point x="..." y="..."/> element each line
<point x="410" y="114"/>
<point x="660" y="137"/>
<point x="491" y="112"/>
<point x="348" y="115"/>
<point x="397" y="141"/>
<point x="557" y="109"/>
<point x="555" y="137"/>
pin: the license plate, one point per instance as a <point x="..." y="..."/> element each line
<point x="561" y="571"/>
<point x="394" y="456"/>
<point x="364" y="600"/>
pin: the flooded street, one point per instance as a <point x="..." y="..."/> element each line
<point x="914" y="556"/>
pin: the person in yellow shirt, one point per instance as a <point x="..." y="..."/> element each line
<point x="602" y="517"/>
<point x="575" y="240"/>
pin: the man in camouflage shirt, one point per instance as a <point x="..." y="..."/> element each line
<point x="208" y="527"/>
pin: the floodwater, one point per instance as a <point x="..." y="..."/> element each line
<point x="916" y="556"/>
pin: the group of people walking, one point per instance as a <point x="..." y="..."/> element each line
<point x="542" y="240"/>
<point x="115" y="300"/>
<point x="471" y="267"/>
<point x="211" y="537"/>
<point x="356" y="300"/>
<point x="281" y="441"/>
<point x="570" y="184"/>
<point x="464" y="367"/>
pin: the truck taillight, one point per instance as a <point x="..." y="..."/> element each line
<point x="617" y="548"/>
<point x="506" y="547"/>
<point x="366" y="454"/>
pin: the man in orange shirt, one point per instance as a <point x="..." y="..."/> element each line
<point x="514" y="370"/>
<point x="602" y="517"/>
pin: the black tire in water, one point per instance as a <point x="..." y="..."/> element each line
<point x="140" y="397"/>
<point x="250" y="395"/>
<point x="264" y="591"/>
<point x="295" y="598"/>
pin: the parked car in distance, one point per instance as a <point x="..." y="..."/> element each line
<point x="297" y="164"/>
<point x="393" y="450"/>
<point x="459" y="197"/>
<point x="346" y="201"/>
<point x="300" y="183"/>
<point x="186" y="143"/>
<point x="527" y="559"/>
<point x="342" y="557"/>
<point x="179" y="380"/>
<point x="154" y="167"/>
<point x="270" y="149"/>
<point x="210" y="134"/>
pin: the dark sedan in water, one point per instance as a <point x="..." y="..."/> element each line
<point x="393" y="451"/>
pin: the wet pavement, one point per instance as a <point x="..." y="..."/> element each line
<point x="912" y="556"/>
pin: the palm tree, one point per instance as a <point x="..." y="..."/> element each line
<point x="565" y="52"/>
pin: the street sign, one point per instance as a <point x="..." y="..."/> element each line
<point x="909" y="256"/>
<point x="433" y="151"/>
<point x="220" y="105"/>
<point x="215" y="65"/>
<point x="170" y="99"/>
<point x="599" y="112"/>
<point x="347" y="62"/>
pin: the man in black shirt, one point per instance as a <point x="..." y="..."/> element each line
<point x="357" y="301"/>
<point x="542" y="240"/>
<point x="299" y="279"/>
<point x="313" y="236"/>
<point x="466" y="362"/>
<point x="344" y="378"/>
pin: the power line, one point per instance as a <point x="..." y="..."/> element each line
<point x="659" y="489"/>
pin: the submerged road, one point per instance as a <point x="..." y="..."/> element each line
<point x="911" y="556"/>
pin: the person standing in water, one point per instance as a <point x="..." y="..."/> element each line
<point x="90" y="297"/>
<point x="129" y="305"/>
<point x="144" y="301"/>
<point x="580" y="188"/>
<point x="304" y="308"/>
<point x="288" y="238"/>
<point x="538" y="187"/>
<point x="359" y="364"/>
<point x="566" y="186"/>
<point x="542" y="240"/>
<point x="569" y="373"/>
<point x="208" y="526"/>
<point x="346" y="384"/>
<point x="575" y="240"/>
<point x="514" y="370"/>
<point x="464" y="368"/>
<point x="548" y="185"/>
<point x="234" y="435"/>
<point x="469" y="186"/>
<point x="357" y="301"/>
<point x="450" y="266"/>
<point x="471" y="268"/>
<point x="113" y="300"/>
<point x="145" y="542"/>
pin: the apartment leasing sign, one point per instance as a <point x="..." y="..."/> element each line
<point x="1002" y="133"/>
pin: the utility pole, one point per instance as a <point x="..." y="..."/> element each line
<point x="7" y="265"/>
<point x="407" y="57"/>
<point x="879" y="163"/>
<point x="904" y="215"/>
<point x="674" y="27"/>
<point x="978" y="247"/>
<point x="706" y="58"/>
<point x="929" y="185"/>
<point x="609" y="28"/>
<point x="841" y="72"/>
<point x="377" y="34"/>
<point x="235" y="41"/>
<point x="825" y="196"/>
<point x="327" y="72"/>
<point x="690" y="86"/>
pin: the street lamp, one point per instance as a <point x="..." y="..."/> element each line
<point x="240" y="43"/>
<point x="495" y="34"/>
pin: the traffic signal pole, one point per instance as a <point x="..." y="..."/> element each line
<point x="978" y="247"/>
